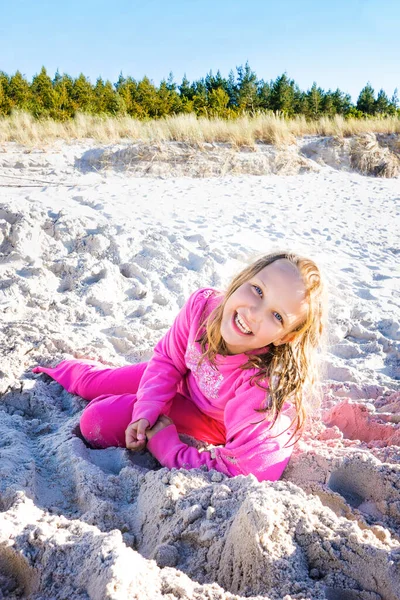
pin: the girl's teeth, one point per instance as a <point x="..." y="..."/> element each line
<point x="241" y="325"/>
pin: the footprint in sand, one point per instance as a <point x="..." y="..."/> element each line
<point x="341" y="594"/>
<point x="341" y="483"/>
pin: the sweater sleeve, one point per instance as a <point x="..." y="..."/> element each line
<point x="254" y="450"/>
<point x="167" y="366"/>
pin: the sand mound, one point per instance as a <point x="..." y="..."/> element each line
<point x="369" y="154"/>
<point x="99" y="269"/>
<point x="370" y="158"/>
<point x="177" y="159"/>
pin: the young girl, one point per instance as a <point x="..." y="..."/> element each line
<point x="230" y="372"/>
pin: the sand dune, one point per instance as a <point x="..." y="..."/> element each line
<point x="96" y="263"/>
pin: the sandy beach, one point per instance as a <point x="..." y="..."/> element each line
<point x="96" y="263"/>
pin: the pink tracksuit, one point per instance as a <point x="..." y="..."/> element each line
<point x="215" y="405"/>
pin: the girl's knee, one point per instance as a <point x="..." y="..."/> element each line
<point x="91" y="429"/>
<point x="101" y="425"/>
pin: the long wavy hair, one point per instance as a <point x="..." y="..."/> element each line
<point x="289" y="371"/>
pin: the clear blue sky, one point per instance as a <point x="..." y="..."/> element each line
<point x="344" y="43"/>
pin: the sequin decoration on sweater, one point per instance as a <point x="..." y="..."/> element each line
<point x="208" y="379"/>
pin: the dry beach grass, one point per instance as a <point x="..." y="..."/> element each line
<point x="244" y="131"/>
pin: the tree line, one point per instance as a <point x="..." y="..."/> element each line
<point x="242" y="92"/>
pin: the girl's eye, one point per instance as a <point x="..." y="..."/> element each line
<point x="278" y="317"/>
<point x="258" y="290"/>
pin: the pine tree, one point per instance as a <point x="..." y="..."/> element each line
<point x="327" y="105"/>
<point x="341" y="102"/>
<point x="395" y="99"/>
<point x="247" y="88"/>
<point x="232" y="90"/>
<point x="200" y="105"/>
<point x="393" y="104"/>
<point x="43" y="98"/>
<point x="57" y="78"/>
<point x="366" y="100"/>
<point x="5" y="81"/>
<point x="314" y="101"/>
<point x="218" y="101"/>
<point x="63" y="86"/>
<point x="103" y="95"/>
<point x="282" y="95"/>
<point x="2" y="98"/>
<point x="146" y="102"/>
<point x="169" y="101"/>
<point x="82" y="94"/>
<point x="170" y="83"/>
<point x="382" y="104"/>
<point x="213" y="100"/>
<point x="185" y="90"/>
<point x="114" y="103"/>
<point x="18" y="91"/>
<point x="215" y="82"/>
<point x="127" y="91"/>
<point x="186" y="94"/>
<point x="5" y="106"/>
<point x="200" y="98"/>
<point x="300" y="101"/>
<point x="120" y="83"/>
<point x="220" y="82"/>
<point x="264" y="95"/>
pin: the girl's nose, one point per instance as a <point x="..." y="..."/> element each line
<point x="254" y="315"/>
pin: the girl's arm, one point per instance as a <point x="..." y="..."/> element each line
<point x="167" y="366"/>
<point x="254" y="450"/>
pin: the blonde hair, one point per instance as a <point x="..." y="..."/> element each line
<point x="290" y="367"/>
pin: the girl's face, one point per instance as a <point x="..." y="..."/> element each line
<point x="265" y="309"/>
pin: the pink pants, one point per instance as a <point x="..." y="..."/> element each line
<point x="113" y="394"/>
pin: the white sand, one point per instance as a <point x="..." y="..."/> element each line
<point x="97" y="264"/>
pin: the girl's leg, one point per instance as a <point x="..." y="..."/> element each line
<point x="105" y="419"/>
<point x="190" y="420"/>
<point x="89" y="379"/>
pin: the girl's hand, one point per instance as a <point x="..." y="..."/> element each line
<point x="162" y="422"/>
<point x="135" y="434"/>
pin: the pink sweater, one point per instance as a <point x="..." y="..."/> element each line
<point x="225" y="394"/>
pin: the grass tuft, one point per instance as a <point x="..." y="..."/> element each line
<point x="245" y="131"/>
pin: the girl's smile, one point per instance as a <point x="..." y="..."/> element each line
<point x="241" y="324"/>
<point x="265" y="309"/>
